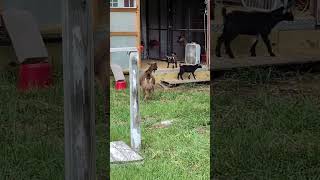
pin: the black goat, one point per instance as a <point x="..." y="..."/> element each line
<point x="172" y="59"/>
<point x="188" y="68"/>
<point x="250" y="23"/>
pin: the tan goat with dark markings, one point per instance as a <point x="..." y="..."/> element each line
<point x="147" y="81"/>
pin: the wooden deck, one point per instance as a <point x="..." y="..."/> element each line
<point x="173" y="83"/>
<point x="224" y="63"/>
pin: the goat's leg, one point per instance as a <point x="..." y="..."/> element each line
<point x="189" y="75"/>
<point x="268" y="44"/>
<point x="176" y="64"/>
<point x="193" y="75"/>
<point x="228" y="48"/>
<point x="168" y="65"/>
<point x="253" y="47"/>
<point x="181" y="76"/>
<point x="227" y="42"/>
<point x="218" y="47"/>
<point x="144" y="93"/>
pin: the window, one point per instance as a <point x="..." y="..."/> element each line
<point x="114" y="3"/>
<point x="129" y="3"/>
<point x="122" y="3"/>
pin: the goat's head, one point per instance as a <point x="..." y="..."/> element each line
<point x="199" y="66"/>
<point x="153" y="67"/>
<point x="288" y="16"/>
<point x="283" y="14"/>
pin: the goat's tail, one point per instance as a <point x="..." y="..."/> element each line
<point x="224" y="12"/>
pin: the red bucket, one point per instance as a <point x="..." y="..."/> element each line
<point x="121" y="85"/>
<point x="36" y="75"/>
<point x="203" y="58"/>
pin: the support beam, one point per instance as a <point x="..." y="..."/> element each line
<point x="208" y="55"/>
<point x="78" y="77"/>
<point x="318" y="12"/>
<point x="135" y="131"/>
<point x="138" y="28"/>
<point x="159" y="25"/>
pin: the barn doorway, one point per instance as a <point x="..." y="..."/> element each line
<point x="167" y="25"/>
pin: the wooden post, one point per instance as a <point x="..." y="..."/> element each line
<point x="208" y="55"/>
<point x="138" y="29"/>
<point x="78" y="77"/>
<point x="135" y="130"/>
<point x="317" y="12"/>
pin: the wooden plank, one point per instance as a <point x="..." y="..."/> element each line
<point x="208" y="54"/>
<point x="227" y="63"/>
<point x="95" y="13"/>
<point x="164" y="85"/>
<point x="138" y="30"/>
<point x="318" y="12"/>
<point x="135" y="131"/>
<point x="176" y="70"/>
<point x="184" y="81"/>
<point x="123" y="9"/>
<point x="123" y="34"/>
<point x="122" y="153"/>
<point x="78" y="77"/>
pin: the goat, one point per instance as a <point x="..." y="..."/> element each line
<point x="148" y="88"/>
<point x="172" y="59"/>
<point x="250" y="23"/>
<point x="147" y="81"/>
<point x="188" y="68"/>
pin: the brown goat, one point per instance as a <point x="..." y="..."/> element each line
<point x="147" y="81"/>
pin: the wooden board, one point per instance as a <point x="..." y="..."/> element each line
<point x="172" y="83"/>
<point x="317" y="12"/>
<point x="122" y="153"/>
<point x="176" y="70"/>
<point x="14" y="21"/>
<point x="227" y="63"/>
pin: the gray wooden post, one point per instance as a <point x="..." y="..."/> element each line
<point x="135" y="131"/>
<point x="78" y="77"/>
<point x="317" y="12"/>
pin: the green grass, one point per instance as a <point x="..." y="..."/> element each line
<point x="178" y="152"/>
<point x="32" y="133"/>
<point x="263" y="133"/>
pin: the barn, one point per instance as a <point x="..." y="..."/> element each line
<point x="160" y="26"/>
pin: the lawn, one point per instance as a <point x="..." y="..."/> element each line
<point x="180" y="151"/>
<point x="32" y="133"/>
<point x="266" y="125"/>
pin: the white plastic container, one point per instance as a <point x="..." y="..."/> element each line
<point x="192" y="53"/>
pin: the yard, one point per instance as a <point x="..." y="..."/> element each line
<point x="266" y="125"/>
<point x="179" y="151"/>
<point x="32" y="144"/>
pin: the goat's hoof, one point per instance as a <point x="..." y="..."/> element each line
<point x="272" y="55"/>
<point x="253" y="55"/>
<point x="218" y="55"/>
